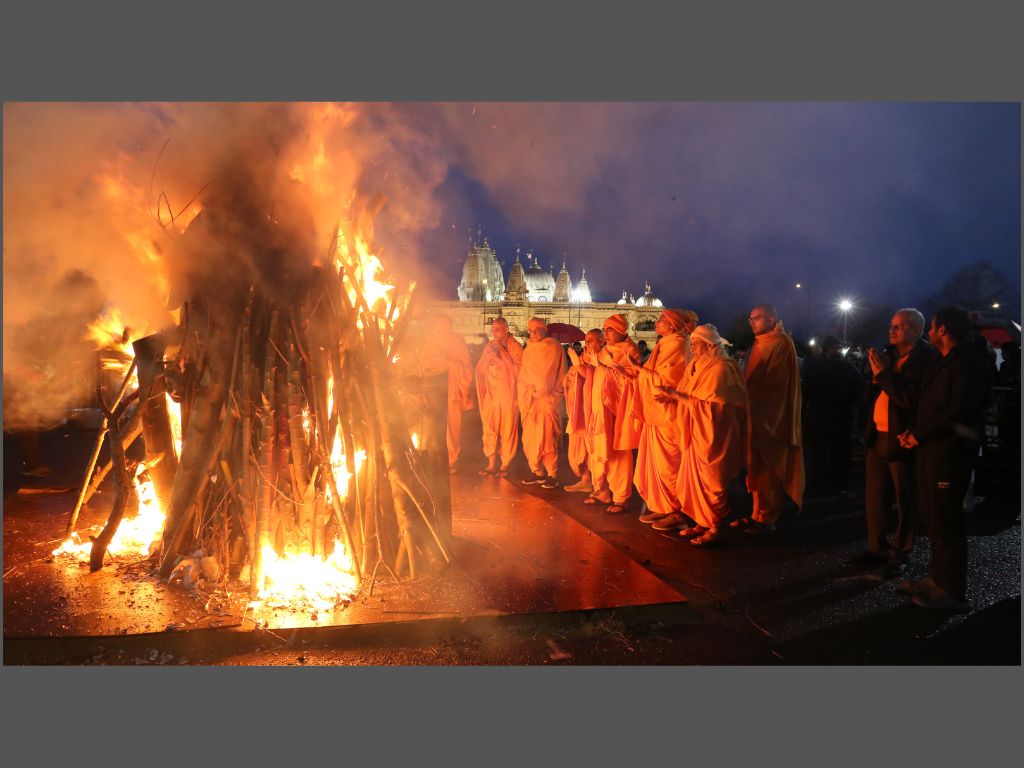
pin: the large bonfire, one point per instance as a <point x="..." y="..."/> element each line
<point x="276" y="440"/>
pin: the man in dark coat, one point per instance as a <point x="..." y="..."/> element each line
<point x="889" y="469"/>
<point x="948" y="428"/>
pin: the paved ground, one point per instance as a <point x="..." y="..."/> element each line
<point x="793" y="599"/>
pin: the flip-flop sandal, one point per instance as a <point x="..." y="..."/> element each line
<point x="743" y="523"/>
<point x="693" y="532"/>
<point x="592" y="500"/>
<point x="487" y="472"/>
<point x="615" y="509"/>
<point x="708" y="540"/>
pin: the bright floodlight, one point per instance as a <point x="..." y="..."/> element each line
<point x="995" y="305"/>
<point x="845" y="305"/>
<point x="798" y="285"/>
<point x="811" y="342"/>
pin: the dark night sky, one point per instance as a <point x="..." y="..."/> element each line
<point x="722" y="205"/>
<point x="719" y="205"/>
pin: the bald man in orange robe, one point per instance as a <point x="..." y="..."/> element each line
<point x="579" y="388"/>
<point x="776" y="462"/>
<point x="657" y="462"/>
<point x="615" y="427"/>
<point x="497" y="373"/>
<point x="714" y="428"/>
<point x="540" y="403"/>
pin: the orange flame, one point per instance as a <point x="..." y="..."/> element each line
<point x="304" y="581"/>
<point x="136" y="535"/>
<point x="174" y="414"/>
<point x="113" y="338"/>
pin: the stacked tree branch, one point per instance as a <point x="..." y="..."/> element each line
<point x="296" y="430"/>
<point x="297" y="439"/>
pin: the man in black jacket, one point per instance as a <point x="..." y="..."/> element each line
<point x="948" y="428"/>
<point x="889" y="469"/>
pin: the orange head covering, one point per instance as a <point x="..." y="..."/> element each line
<point x="680" y="319"/>
<point x="675" y="318"/>
<point x="617" y="323"/>
<point x="707" y="333"/>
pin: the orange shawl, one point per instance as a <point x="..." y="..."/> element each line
<point x="664" y="368"/>
<point x="496" y="374"/>
<point x="541" y="375"/>
<point x="619" y="393"/>
<point x="579" y="387"/>
<point x="773" y="384"/>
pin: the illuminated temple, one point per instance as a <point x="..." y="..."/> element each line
<point x="532" y="291"/>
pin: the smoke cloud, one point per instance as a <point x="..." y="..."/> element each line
<point x="137" y="207"/>
<point x="719" y="205"/>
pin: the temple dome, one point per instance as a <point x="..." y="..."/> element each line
<point x="516" y="289"/>
<point x="648" y="299"/>
<point x="623" y="301"/>
<point x="581" y="294"/>
<point x="472" y="286"/>
<point x="540" y="285"/>
<point x="481" y="275"/>
<point x="563" y="285"/>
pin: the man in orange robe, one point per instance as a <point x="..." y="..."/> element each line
<point x="657" y="462"/>
<point x="714" y="429"/>
<point x="614" y="430"/>
<point x="776" y="462"/>
<point x="497" y="373"/>
<point x="453" y="352"/>
<point x="540" y="403"/>
<point x="579" y="388"/>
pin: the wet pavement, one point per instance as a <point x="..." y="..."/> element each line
<point x="541" y="579"/>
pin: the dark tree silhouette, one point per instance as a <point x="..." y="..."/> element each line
<point x="976" y="286"/>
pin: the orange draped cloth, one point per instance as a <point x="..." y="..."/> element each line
<point x="445" y="351"/>
<point x="776" y="448"/>
<point x="453" y="350"/>
<point x="496" y="375"/>
<point x="540" y="403"/>
<point x="714" y="426"/>
<point x="657" y="461"/>
<point x="578" y="385"/>
<point x="614" y="427"/>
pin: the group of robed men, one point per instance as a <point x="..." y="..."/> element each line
<point x="695" y="419"/>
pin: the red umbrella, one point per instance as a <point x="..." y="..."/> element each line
<point x="996" y="336"/>
<point x="564" y="333"/>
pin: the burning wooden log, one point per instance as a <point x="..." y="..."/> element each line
<point x="122" y="489"/>
<point x="199" y="439"/>
<point x="87" y="484"/>
<point x="161" y="459"/>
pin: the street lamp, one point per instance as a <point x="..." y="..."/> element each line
<point x="995" y="305"/>
<point x="807" y="306"/>
<point x="845" y="305"/>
